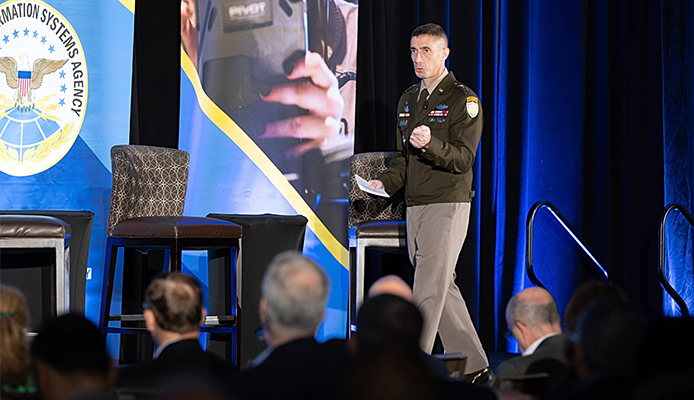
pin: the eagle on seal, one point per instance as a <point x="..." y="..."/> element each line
<point x="25" y="80"/>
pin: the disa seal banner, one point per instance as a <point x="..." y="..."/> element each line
<point x="65" y="91"/>
<point x="46" y="87"/>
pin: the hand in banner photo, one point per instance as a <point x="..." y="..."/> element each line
<point x="315" y="88"/>
<point x="189" y="31"/>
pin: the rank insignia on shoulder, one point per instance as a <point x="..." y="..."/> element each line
<point x="403" y="115"/>
<point x="461" y="86"/>
<point x="441" y="107"/>
<point x="473" y="107"/>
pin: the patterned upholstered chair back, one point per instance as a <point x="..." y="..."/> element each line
<point x="367" y="207"/>
<point x="147" y="182"/>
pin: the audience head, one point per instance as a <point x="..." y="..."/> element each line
<point x="606" y="339"/>
<point x="391" y="284"/>
<point x="294" y="294"/>
<point x="14" y="317"/>
<point x="174" y="307"/>
<point x="583" y="296"/>
<point x="388" y="323"/>
<point x="69" y="356"/>
<point x="532" y="314"/>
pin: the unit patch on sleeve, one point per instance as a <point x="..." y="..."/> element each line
<point x="473" y="107"/>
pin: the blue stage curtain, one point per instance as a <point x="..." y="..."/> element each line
<point x="532" y="146"/>
<point x="678" y="125"/>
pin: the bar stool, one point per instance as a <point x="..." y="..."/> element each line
<point x="374" y="222"/>
<point x="147" y="200"/>
<point x="26" y="233"/>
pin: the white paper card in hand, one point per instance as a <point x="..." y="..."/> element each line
<point x="364" y="185"/>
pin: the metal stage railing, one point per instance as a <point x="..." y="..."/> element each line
<point x="567" y="227"/>
<point x="661" y="261"/>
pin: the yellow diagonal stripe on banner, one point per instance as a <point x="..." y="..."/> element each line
<point x="248" y="146"/>
<point x="129" y="4"/>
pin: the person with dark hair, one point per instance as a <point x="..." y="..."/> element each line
<point x="389" y="362"/>
<point x="586" y="294"/>
<point x="71" y="362"/>
<point x="15" y="370"/>
<point x="605" y="346"/>
<point x="388" y="323"/>
<point x="173" y="316"/>
<point x="439" y="129"/>
<point x="606" y="338"/>
<point x="582" y="297"/>
<point x="294" y="292"/>
<point x="533" y="319"/>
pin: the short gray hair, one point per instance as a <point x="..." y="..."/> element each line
<point x="296" y="290"/>
<point x="531" y="312"/>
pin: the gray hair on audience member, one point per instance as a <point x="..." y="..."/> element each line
<point x="532" y="313"/>
<point x="296" y="290"/>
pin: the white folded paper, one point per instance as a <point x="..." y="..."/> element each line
<point x="364" y="185"/>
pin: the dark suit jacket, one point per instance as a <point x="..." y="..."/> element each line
<point x="180" y="362"/>
<point x="548" y="356"/>
<point x="302" y="369"/>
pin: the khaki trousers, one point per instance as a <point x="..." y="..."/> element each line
<point x="435" y="236"/>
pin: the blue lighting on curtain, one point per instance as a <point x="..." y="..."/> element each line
<point x="538" y="115"/>
<point x="678" y="148"/>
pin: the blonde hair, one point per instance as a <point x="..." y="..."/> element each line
<point x="14" y="315"/>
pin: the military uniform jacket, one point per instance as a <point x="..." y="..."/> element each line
<point x="443" y="172"/>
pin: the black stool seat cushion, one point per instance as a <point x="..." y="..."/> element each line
<point x="388" y="229"/>
<point x="33" y="226"/>
<point x="176" y="228"/>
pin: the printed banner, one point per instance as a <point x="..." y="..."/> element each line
<point x="66" y="69"/>
<point x="267" y="114"/>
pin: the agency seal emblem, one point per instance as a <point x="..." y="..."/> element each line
<point x="43" y="96"/>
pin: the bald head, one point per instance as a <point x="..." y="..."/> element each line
<point x="391" y="284"/>
<point x="532" y="314"/>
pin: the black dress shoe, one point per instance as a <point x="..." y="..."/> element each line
<point x="481" y="377"/>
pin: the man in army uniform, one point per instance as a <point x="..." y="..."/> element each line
<point x="439" y="128"/>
